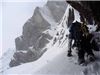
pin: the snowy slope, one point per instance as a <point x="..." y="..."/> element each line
<point x="34" y="66"/>
<point x="5" y="59"/>
<point x="55" y="61"/>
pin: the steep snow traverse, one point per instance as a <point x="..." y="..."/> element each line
<point x="54" y="61"/>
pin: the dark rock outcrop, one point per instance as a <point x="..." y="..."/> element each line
<point x="88" y="10"/>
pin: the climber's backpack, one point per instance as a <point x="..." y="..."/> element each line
<point x="75" y="31"/>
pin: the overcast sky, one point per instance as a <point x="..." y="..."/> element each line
<point x="23" y="0"/>
<point x="14" y="15"/>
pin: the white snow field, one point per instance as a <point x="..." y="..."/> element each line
<point x="56" y="62"/>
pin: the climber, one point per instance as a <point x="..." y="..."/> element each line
<point x="79" y="33"/>
<point x="73" y="35"/>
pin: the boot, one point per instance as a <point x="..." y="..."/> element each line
<point x="69" y="54"/>
<point x="91" y="58"/>
<point x="81" y="62"/>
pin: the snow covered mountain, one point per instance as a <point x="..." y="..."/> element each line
<point x="41" y="28"/>
<point x="54" y="60"/>
<point x="37" y="32"/>
<point x="52" y="28"/>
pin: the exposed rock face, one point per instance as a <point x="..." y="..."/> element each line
<point x="70" y="17"/>
<point x="57" y="9"/>
<point x="88" y="10"/>
<point x="32" y="31"/>
<point x="31" y="43"/>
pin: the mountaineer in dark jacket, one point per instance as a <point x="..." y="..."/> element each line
<point x="75" y="34"/>
<point x="80" y="34"/>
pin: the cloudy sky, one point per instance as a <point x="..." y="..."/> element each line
<point x="14" y="14"/>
